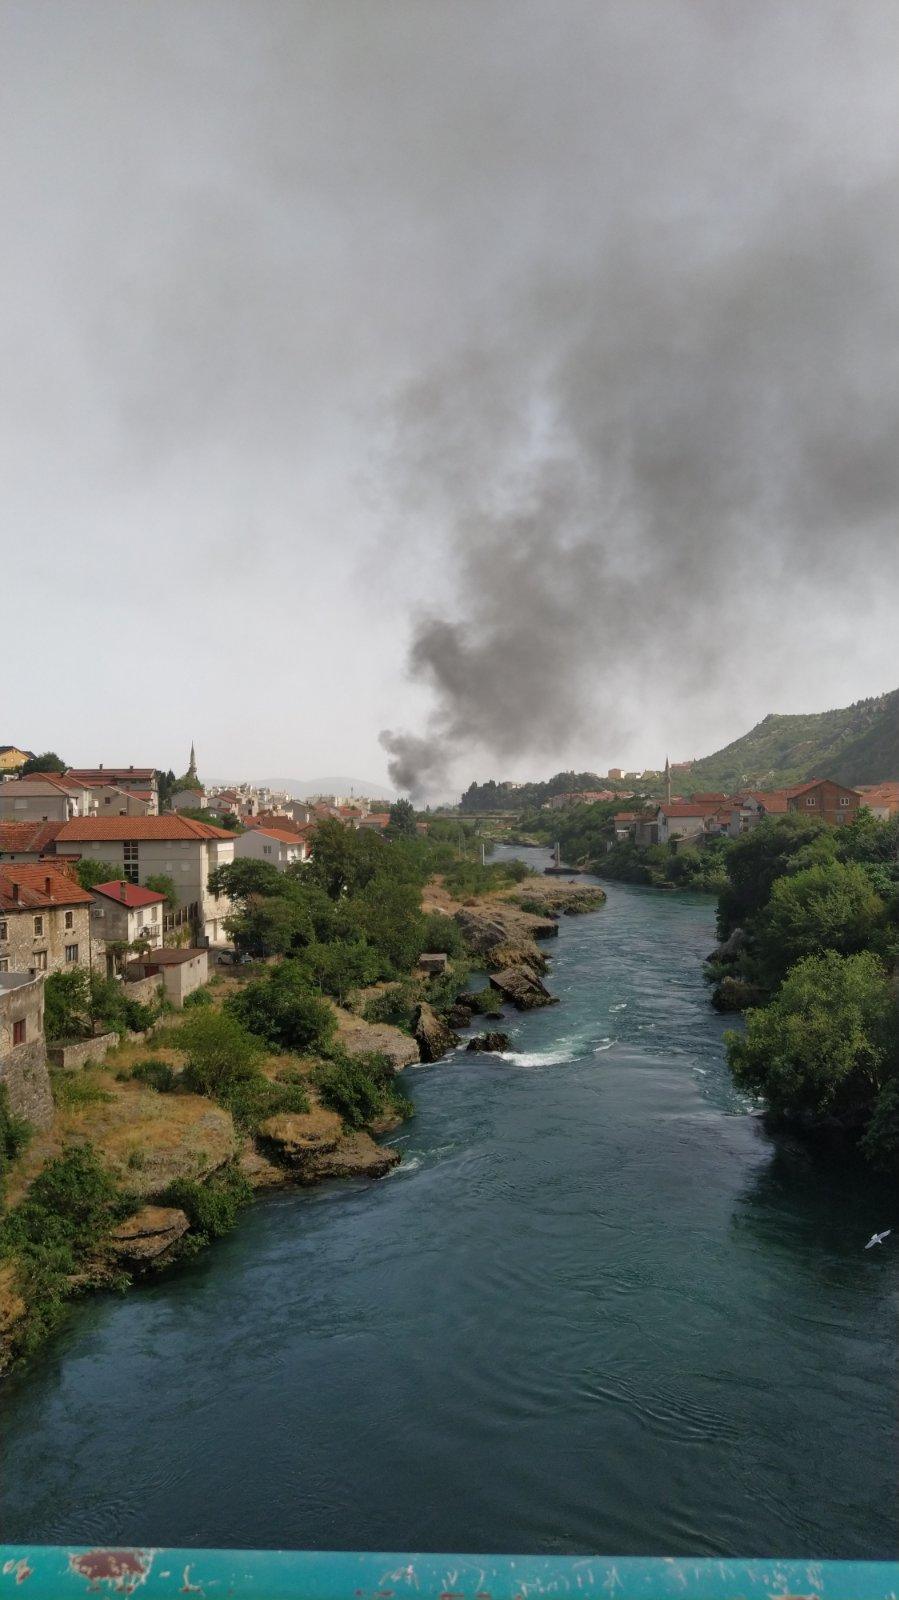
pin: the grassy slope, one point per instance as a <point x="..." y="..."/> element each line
<point x="857" y="744"/>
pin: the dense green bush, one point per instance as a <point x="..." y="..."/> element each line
<point x="282" y="1009"/>
<point x="828" y="907"/>
<point x="211" y="1207"/>
<point x="826" y="1046"/>
<point x="219" y="1051"/>
<point x="156" y="1074"/>
<point x="394" y="1005"/>
<point x="360" y="1088"/>
<point x="15" y="1133"/>
<point x="55" y="1230"/>
<point x="197" y="999"/>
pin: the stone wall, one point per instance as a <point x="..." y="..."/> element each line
<point x="145" y="990"/>
<point x="70" y="1056"/>
<point x="23" y="1067"/>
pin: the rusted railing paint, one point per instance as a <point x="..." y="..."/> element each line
<point x="60" y="1573"/>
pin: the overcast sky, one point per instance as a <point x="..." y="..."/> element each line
<point x="518" y="378"/>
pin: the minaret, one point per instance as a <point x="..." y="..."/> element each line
<point x="192" y="768"/>
<point x="667" y="781"/>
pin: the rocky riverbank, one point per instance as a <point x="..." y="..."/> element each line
<point x="158" y="1147"/>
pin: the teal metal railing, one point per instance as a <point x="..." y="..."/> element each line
<point x="39" y="1572"/>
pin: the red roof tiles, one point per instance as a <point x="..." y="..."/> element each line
<point x="27" y="886"/>
<point x="127" y="894"/>
<point x="167" y="827"/>
<point x="27" y="838"/>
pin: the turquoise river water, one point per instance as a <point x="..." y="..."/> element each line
<point x="597" y="1308"/>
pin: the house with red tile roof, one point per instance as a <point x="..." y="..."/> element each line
<point x="833" y="802"/>
<point x="882" y="799"/>
<point x="124" y="911"/>
<point x="280" y="847"/>
<point x="42" y="797"/>
<point x="141" y="781"/>
<point x="179" y="848"/>
<point x="27" y="841"/>
<point x="44" y="920"/>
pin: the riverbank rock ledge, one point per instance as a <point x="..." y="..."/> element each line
<point x="314" y="1145"/>
<point x="148" y="1235"/>
<point x="523" y="987"/>
<point x="433" y="1036"/>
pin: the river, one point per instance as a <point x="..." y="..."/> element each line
<point x="597" y="1308"/>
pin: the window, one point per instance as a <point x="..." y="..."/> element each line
<point x="845" y="800"/>
<point x="38" y="927"/>
<point x="18" y="1031"/>
<point x="71" y="952"/>
<point x="130" y="865"/>
<point x="4" y="963"/>
<point x="810" y="800"/>
<point x="70" y="919"/>
<point x="4" y="930"/>
<point x="40" y="961"/>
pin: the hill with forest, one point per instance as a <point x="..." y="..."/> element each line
<point x="857" y="744"/>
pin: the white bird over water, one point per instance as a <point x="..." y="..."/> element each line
<point x="878" y="1238"/>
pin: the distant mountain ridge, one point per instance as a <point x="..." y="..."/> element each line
<point x="857" y="744"/>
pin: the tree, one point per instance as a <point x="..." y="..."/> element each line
<point x="220" y="1050"/>
<point x="166" y="783"/>
<point x="389" y="914"/>
<point x="90" y="873"/>
<point x="402" y="820"/>
<point x="344" y="859"/>
<point x="343" y="965"/>
<point x="756" y="859"/>
<point x="161" y="883"/>
<point x="828" y="907"/>
<point x="48" y="762"/>
<point x="241" y="879"/>
<point x="282" y="1009"/>
<point x="826" y="1045"/>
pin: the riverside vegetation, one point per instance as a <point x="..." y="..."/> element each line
<point x="282" y="1071"/>
<point x="808" y="924"/>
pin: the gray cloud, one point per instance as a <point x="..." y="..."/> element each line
<point x="673" y="469"/>
<point x="566" y="331"/>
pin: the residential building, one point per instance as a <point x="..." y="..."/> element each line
<point x="45" y="921"/>
<point x="615" y="773"/>
<point x="108" y="800"/>
<point x="42" y="797"/>
<point x="624" y="823"/>
<point x="679" y="819"/>
<point x="377" y="820"/>
<point x="280" y="847"/>
<point x="181" y="971"/>
<point x="27" y="841"/>
<point x="832" y="802"/>
<point x="141" y="781"/>
<point x="179" y="848"/>
<point x="881" y="799"/>
<point x="12" y="758"/>
<point x="123" y="912"/>
<point x="749" y="809"/>
<point x="23" y="1050"/>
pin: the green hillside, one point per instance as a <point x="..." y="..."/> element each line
<point x="858" y="744"/>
